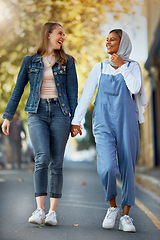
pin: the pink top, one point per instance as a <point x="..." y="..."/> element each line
<point x="48" y="87"/>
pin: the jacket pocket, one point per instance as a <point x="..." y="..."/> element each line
<point x="33" y="70"/>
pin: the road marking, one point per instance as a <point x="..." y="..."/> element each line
<point x="84" y="202"/>
<point x="2" y="180"/>
<point x="81" y="205"/>
<point x="74" y="196"/>
<point x="149" y="213"/>
<point x="153" y="218"/>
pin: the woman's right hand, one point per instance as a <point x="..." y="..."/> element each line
<point x="6" y="126"/>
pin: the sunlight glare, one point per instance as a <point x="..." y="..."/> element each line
<point x="4" y="12"/>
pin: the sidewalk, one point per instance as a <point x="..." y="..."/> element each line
<point x="149" y="179"/>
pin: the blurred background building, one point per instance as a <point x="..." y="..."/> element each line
<point x="150" y="130"/>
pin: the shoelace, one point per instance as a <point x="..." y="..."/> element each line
<point x="50" y="213"/>
<point x="36" y="211"/>
<point x="129" y="220"/>
<point x="111" y="213"/>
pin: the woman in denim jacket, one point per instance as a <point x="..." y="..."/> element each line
<point x="50" y="106"/>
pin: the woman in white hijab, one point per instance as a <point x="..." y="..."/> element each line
<point x="119" y="105"/>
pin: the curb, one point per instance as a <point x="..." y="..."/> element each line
<point x="148" y="182"/>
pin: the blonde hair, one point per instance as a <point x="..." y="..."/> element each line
<point x="43" y="45"/>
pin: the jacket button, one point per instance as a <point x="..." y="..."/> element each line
<point x="58" y="84"/>
<point x="63" y="104"/>
<point x="60" y="94"/>
<point x="61" y="71"/>
<point x="66" y="112"/>
<point x="55" y="73"/>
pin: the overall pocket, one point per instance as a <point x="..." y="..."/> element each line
<point x="111" y="84"/>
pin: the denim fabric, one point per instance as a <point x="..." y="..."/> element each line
<point x="49" y="130"/>
<point x="116" y="131"/>
<point x="31" y="71"/>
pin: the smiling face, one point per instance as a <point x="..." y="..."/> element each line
<point x="112" y="44"/>
<point x="56" y="38"/>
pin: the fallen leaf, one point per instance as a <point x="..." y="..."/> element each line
<point x="30" y="170"/>
<point x="83" y="183"/>
<point x="75" y="224"/>
<point x="20" y="180"/>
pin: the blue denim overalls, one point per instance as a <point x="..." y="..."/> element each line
<point x="116" y="131"/>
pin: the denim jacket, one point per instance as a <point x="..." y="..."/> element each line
<point x="31" y="71"/>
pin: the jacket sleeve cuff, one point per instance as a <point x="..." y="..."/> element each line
<point x="7" y="116"/>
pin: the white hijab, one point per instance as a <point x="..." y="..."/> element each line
<point x="124" y="52"/>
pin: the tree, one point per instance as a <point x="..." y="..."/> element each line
<point x="21" y="22"/>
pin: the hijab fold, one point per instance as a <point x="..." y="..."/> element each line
<point x="124" y="52"/>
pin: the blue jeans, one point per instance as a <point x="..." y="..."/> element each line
<point x="49" y="130"/>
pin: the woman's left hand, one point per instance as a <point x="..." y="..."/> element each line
<point x="116" y="59"/>
<point x="75" y="129"/>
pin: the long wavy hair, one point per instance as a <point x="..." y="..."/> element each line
<point x="43" y="45"/>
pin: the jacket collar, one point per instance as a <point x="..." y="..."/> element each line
<point x="37" y="58"/>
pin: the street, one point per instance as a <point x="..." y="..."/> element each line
<point x="80" y="212"/>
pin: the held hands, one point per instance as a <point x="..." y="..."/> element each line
<point x="116" y="59"/>
<point x="75" y="129"/>
<point x="6" y="126"/>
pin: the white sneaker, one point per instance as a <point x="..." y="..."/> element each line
<point x="110" y="218"/>
<point x="51" y="219"/>
<point x="38" y="216"/>
<point x="126" y="224"/>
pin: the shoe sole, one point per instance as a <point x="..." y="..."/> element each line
<point x="107" y="227"/>
<point x="126" y="230"/>
<point x="37" y="223"/>
<point x="50" y="224"/>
